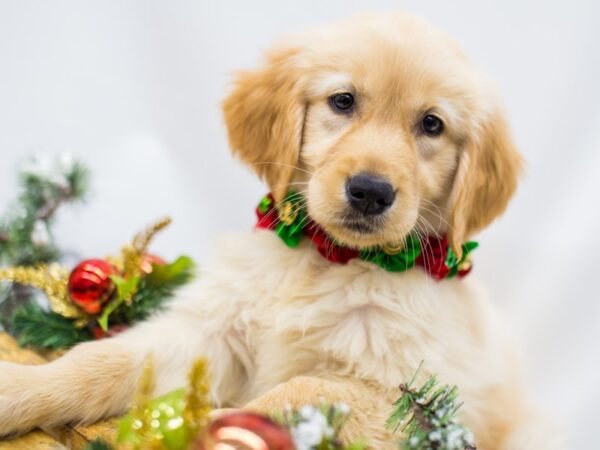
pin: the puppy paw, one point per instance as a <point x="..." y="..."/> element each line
<point x="367" y="406"/>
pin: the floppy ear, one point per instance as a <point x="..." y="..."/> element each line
<point x="485" y="180"/>
<point x="264" y="115"/>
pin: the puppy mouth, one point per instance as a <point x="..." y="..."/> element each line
<point x="358" y="223"/>
<point x="360" y="227"/>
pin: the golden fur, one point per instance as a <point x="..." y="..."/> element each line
<point x="398" y="69"/>
<point x="282" y="326"/>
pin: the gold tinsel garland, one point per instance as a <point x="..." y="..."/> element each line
<point x="52" y="279"/>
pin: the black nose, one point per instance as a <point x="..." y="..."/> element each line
<point x="370" y="194"/>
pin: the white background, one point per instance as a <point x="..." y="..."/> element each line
<point x="133" y="88"/>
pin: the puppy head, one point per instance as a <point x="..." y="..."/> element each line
<point x="383" y="125"/>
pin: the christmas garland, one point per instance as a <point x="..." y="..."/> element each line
<point x="290" y="221"/>
<point x="45" y="185"/>
<point x="180" y="420"/>
<point x="98" y="297"/>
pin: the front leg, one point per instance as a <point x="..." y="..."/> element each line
<point x="98" y="379"/>
<point x="92" y="381"/>
<point x="369" y="404"/>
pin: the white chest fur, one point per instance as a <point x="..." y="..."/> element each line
<point x="296" y="313"/>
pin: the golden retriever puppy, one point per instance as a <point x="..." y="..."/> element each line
<point x="387" y="130"/>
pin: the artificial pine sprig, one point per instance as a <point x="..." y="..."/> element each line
<point x="153" y="290"/>
<point x="159" y="286"/>
<point x="45" y="184"/>
<point x="39" y="328"/>
<point x="427" y="417"/>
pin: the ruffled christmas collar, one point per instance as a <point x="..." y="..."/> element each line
<point x="289" y="220"/>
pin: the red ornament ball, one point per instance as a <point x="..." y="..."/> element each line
<point x="90" y="285"/>
<point x="247" y="431"/>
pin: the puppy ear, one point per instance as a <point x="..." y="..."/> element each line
<point x="485" y="180"/>
<point x="264" y="115"/>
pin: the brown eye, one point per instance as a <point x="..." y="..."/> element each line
<point x="342" y="103"/>
<point x="432" y="125"/>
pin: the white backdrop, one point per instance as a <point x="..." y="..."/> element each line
<point x="133" y="88"/>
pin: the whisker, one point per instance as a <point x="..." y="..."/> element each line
<point x="277" y="163"/>
<point x="426" y="253"/>
<point x="291" y="183"/>
<point x="305" y="220"/>
<point x="437" y="215"/>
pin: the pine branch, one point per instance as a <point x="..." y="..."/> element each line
<point x="155" y="289"/>
<point x="427" y="417"/>
<point x="12" y="297"/>
<point x="50" y="207"/>
<point x="44" y="329"/>
<point x="45" y="185"/>
<point x="75" y="178"/>
<point x="159" y="286"/>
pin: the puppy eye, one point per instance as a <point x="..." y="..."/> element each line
<point x="342" y="103"/>
<point x="432" y="125"/>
